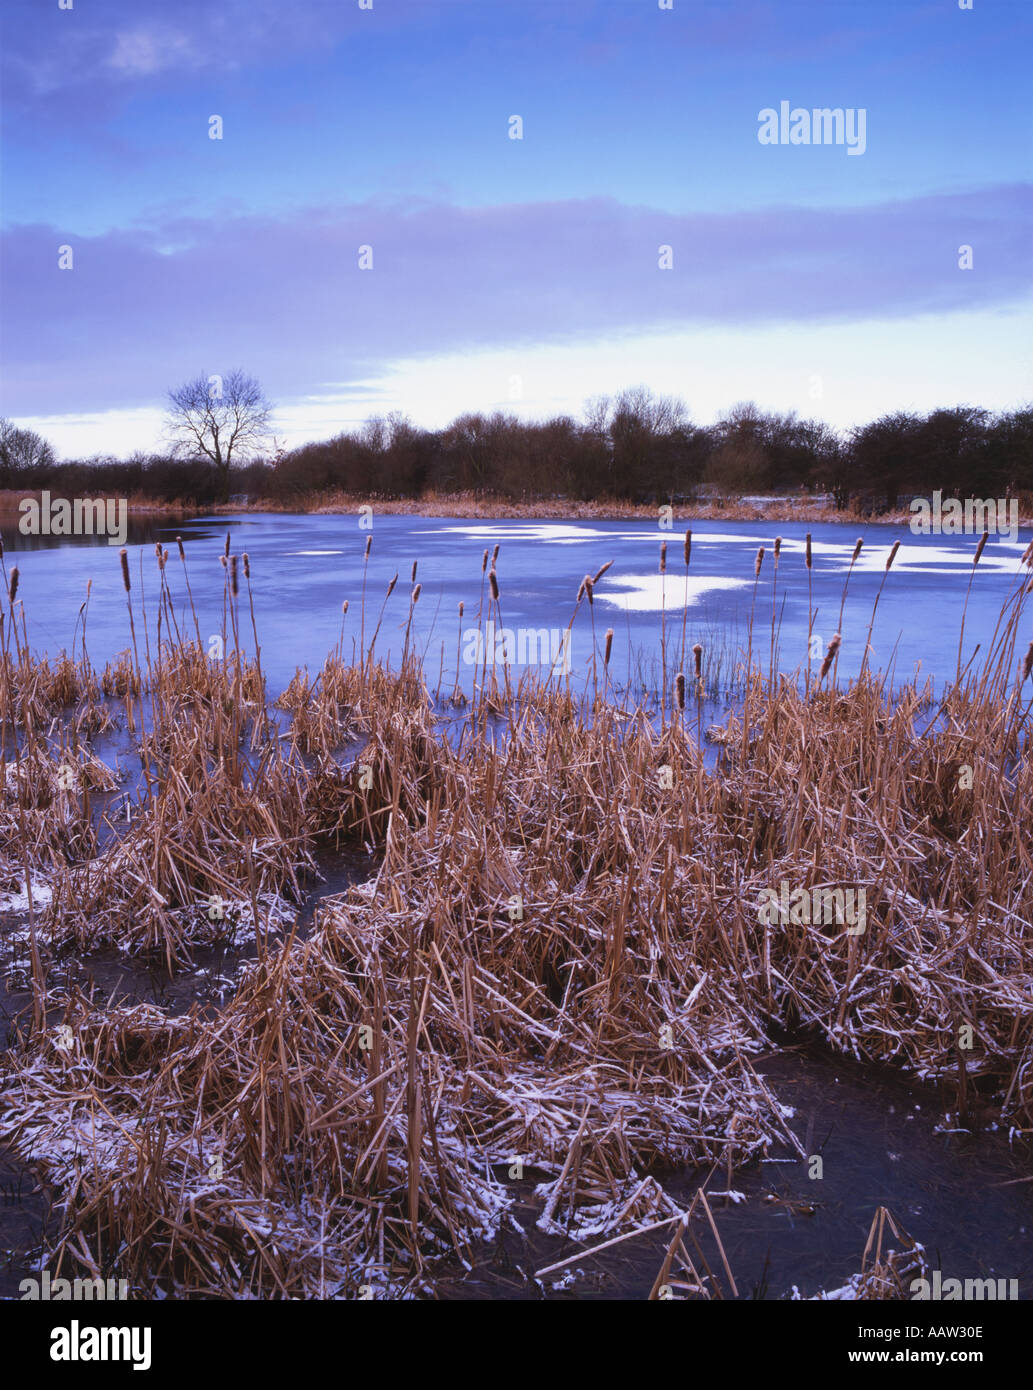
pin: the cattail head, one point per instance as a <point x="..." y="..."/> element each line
<point x="679" y="689"/>
<point x="226" y="552"/>
<point x="412" y="577"/>
<point x="663" y="558"/>
<point x="369" y="546"/>
<point x="581" y="589"/>
<point x="484" y="562"/>
<point x="462" y="608"/>
<point x="182" y="552"/>
<point x="494" y="557"/>
<point x="893" y="554"/>
<point x="758" y="562"/>
<point x="778" y="549"/>
<point x="590" y="589"/>
<point x="390" y="588"/>
<point x="979" y="548"/>
<point x="688" y="547"/>
<point x="697" y="653"/>
<point x="599" y="573"/>
<point x="493" y="584"/>
<point x="123" y="556"/>
<point x="830" y="655"/>
<point x="857" y="549"/>
<point x="1027" y="665"/>
<point x="14" y="578"/>
<point x="157" y="549"/>
<point x="223" y="562"/>
<point x="807" y="550"/>
<point x="234" y="583"/>
<point x="247" y="565"/>
<point x="163" y="555"/>
<point x="609" y="646"/>
<point x="416" y="593"/>
<point x="344" y="609"/>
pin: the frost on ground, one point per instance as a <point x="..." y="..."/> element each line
<point x="16" y="898"/>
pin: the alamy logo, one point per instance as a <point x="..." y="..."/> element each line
<point x="85" y="516"/>
<point x="59" y="1290"/>
<point x="950" y="1290"/>
<point x="824" y="125"/>
<point x="969" y="518"/>
<point x="527" y="646"/>
<point x="822" y="905"/>
<point x="79" y="1343"/>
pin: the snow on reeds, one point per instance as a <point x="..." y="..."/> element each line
<point x="884" y="1274"/>
<point x="559" y="970"/>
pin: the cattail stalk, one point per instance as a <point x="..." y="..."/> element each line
<point x="842" y="603"/>
<point x="971" y="575"/>
<point x="810" y="606"/>
<point x="774" y="599"/>
<point x="362" y="613"/>
<point x="830" y="656"/>
<point x="190" y="595"/>
<point x="457" y="694"/>
<point x="258" y="649"/>
<point x="663" y="633"/>
<point x="871" y="623"/>
<point x="686" y="555"/>
<point x="380" y="619"/>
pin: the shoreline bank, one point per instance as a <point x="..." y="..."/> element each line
<point x="488" y="508"/>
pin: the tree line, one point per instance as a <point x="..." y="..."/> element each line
<point x="632" y="447"/>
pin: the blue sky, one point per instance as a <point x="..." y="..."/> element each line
<point x="513" y="274"/>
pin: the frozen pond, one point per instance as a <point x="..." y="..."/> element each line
<point x="303" y="567"/>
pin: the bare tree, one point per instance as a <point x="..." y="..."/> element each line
<point x="21" y="452"/>
<point x="638" y="428"/>
<point x="222" y="419"/>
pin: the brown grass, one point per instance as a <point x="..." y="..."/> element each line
<point x="560" y="961"/>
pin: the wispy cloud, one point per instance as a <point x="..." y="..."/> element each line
<point x="142" y="51"/>
<point x="287" y="298"/>
<point x="47" y="50"/>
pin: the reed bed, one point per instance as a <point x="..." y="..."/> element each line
<point x="35" y="689"/>
<point x="801" y="507"/>
<point x="560" y="968"/>
<point x="344" y="702"/>
<point x="45" y="806"/>
<point x="208" y="850"/>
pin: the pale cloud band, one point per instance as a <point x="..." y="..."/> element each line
<point x="141" y="308"/>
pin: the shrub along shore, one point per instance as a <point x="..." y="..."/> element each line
<point x="633" y="449"/>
